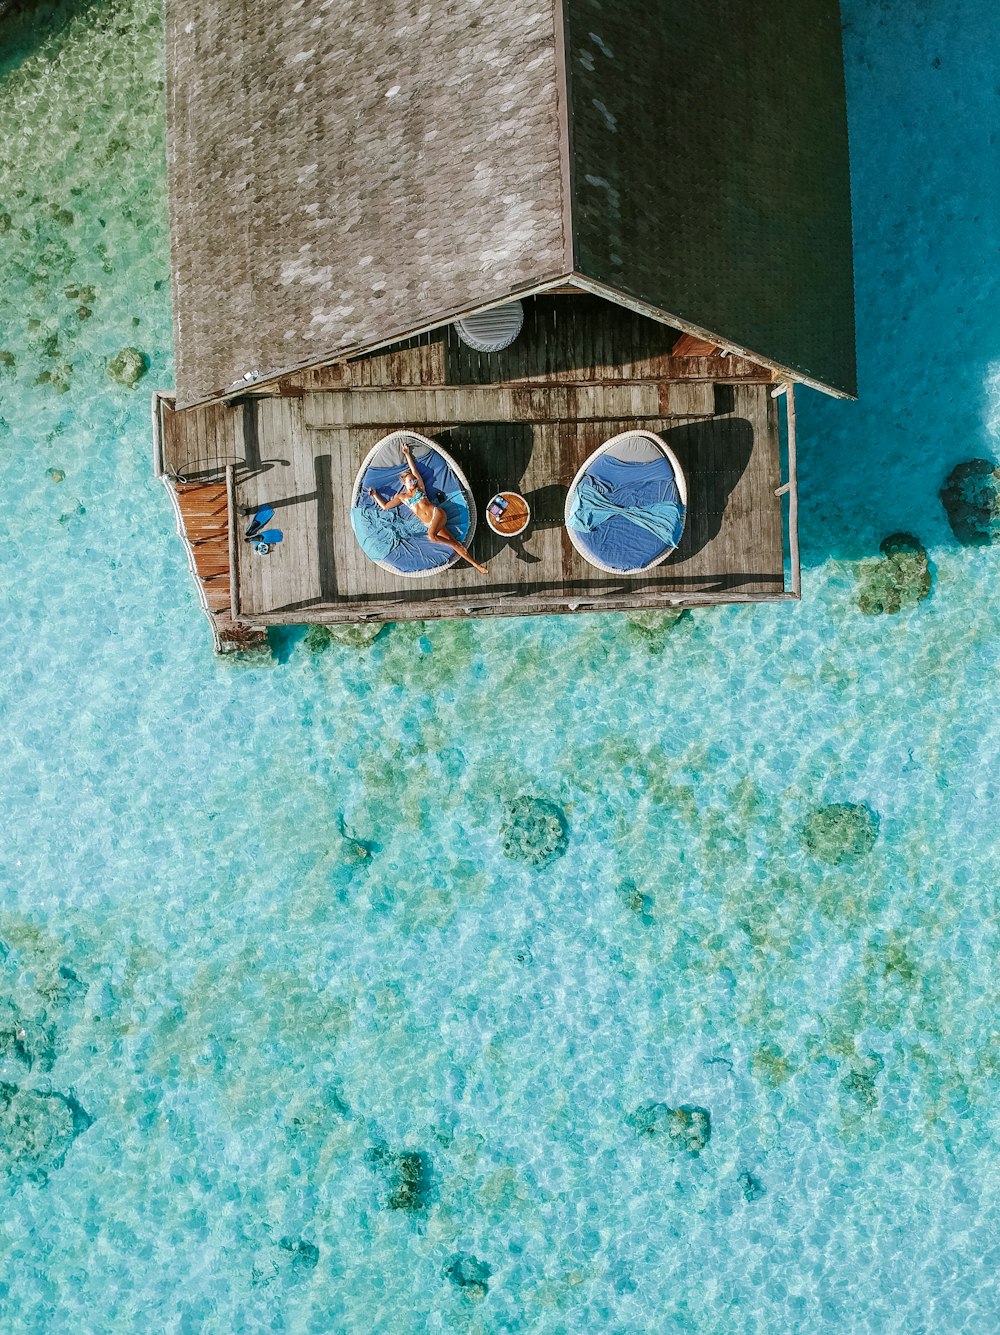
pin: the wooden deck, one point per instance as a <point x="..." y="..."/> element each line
<point x="732" y="543"/>
<point x="521" y="420"/>
<point x="198" y="444"/>
<point x="202" y="514"/>
<point x="569" y="343"/>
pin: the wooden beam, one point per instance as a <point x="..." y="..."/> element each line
<point x="331" y="615"/>
<point x="234" y="573"/>
<point x="793" y="498"/>
<point x="356" y="408"/>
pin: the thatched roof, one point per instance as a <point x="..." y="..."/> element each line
<point x="344" y="174"/>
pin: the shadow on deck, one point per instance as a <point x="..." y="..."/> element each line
<point x="569" y="383"/>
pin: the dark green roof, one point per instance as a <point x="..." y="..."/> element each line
<point x="709" y="170"/>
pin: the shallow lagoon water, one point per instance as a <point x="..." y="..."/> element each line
<point x="296" y="1047"/>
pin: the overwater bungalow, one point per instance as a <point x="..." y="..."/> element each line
<point x="517" y="231"/>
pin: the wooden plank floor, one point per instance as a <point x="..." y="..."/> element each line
<point x="205" y="515"/>
<point x="202" y="513"/>
<point x="732" y="544"/>
<point x="493" y="403"/>
<point x="566" y="341"/>
<point x="198" y="443"/>
<point x="580" y="371"/>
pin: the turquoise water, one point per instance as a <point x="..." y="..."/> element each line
<point x="287" y="1043"/>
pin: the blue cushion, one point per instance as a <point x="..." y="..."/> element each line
<point x="611" y="537"/>
<point x="397" y="537"/>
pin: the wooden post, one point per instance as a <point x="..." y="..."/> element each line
<point x="157" y="436"/>
<point x="234" y="569"/>
<point x="161" y="400"/>
<point x="793" y="498"/>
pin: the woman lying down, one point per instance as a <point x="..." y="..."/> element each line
<point x="414" y="494"/>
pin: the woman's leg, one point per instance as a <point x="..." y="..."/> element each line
<point x="437" y="532"/>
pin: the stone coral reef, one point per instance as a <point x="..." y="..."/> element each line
<point x="533" y="830"/>
<point x="840" y="832"/>
<point x="901" y="579"/>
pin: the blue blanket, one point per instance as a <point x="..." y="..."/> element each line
<point x="627" y="514"/>
<point x="398" y="537"/>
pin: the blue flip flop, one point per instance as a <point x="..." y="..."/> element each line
<point x="265" y="513"/>
<point x="263" y="542"/>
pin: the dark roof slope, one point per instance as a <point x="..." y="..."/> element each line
<point x="342" y="173"/>
<point x="710" y="173"/>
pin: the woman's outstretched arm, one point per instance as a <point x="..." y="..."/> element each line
<point x="384" y="505"/>
<point x="408" y="456"/>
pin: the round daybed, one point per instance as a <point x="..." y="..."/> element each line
<point x="626" y="506"/>
<point x="396" y="539"/>
<point x="493" y="330"/>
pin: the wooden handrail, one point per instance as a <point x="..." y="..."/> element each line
<point x="234" y="547"/>
<point x="793" y="498"/>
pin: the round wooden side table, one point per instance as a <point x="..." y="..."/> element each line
<point x="513" y="517"/>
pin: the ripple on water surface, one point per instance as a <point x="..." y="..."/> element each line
<point x="583" y="974"/>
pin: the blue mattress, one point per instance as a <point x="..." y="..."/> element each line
<point x="605" y="494"/>
<point x="398" y="537"/>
